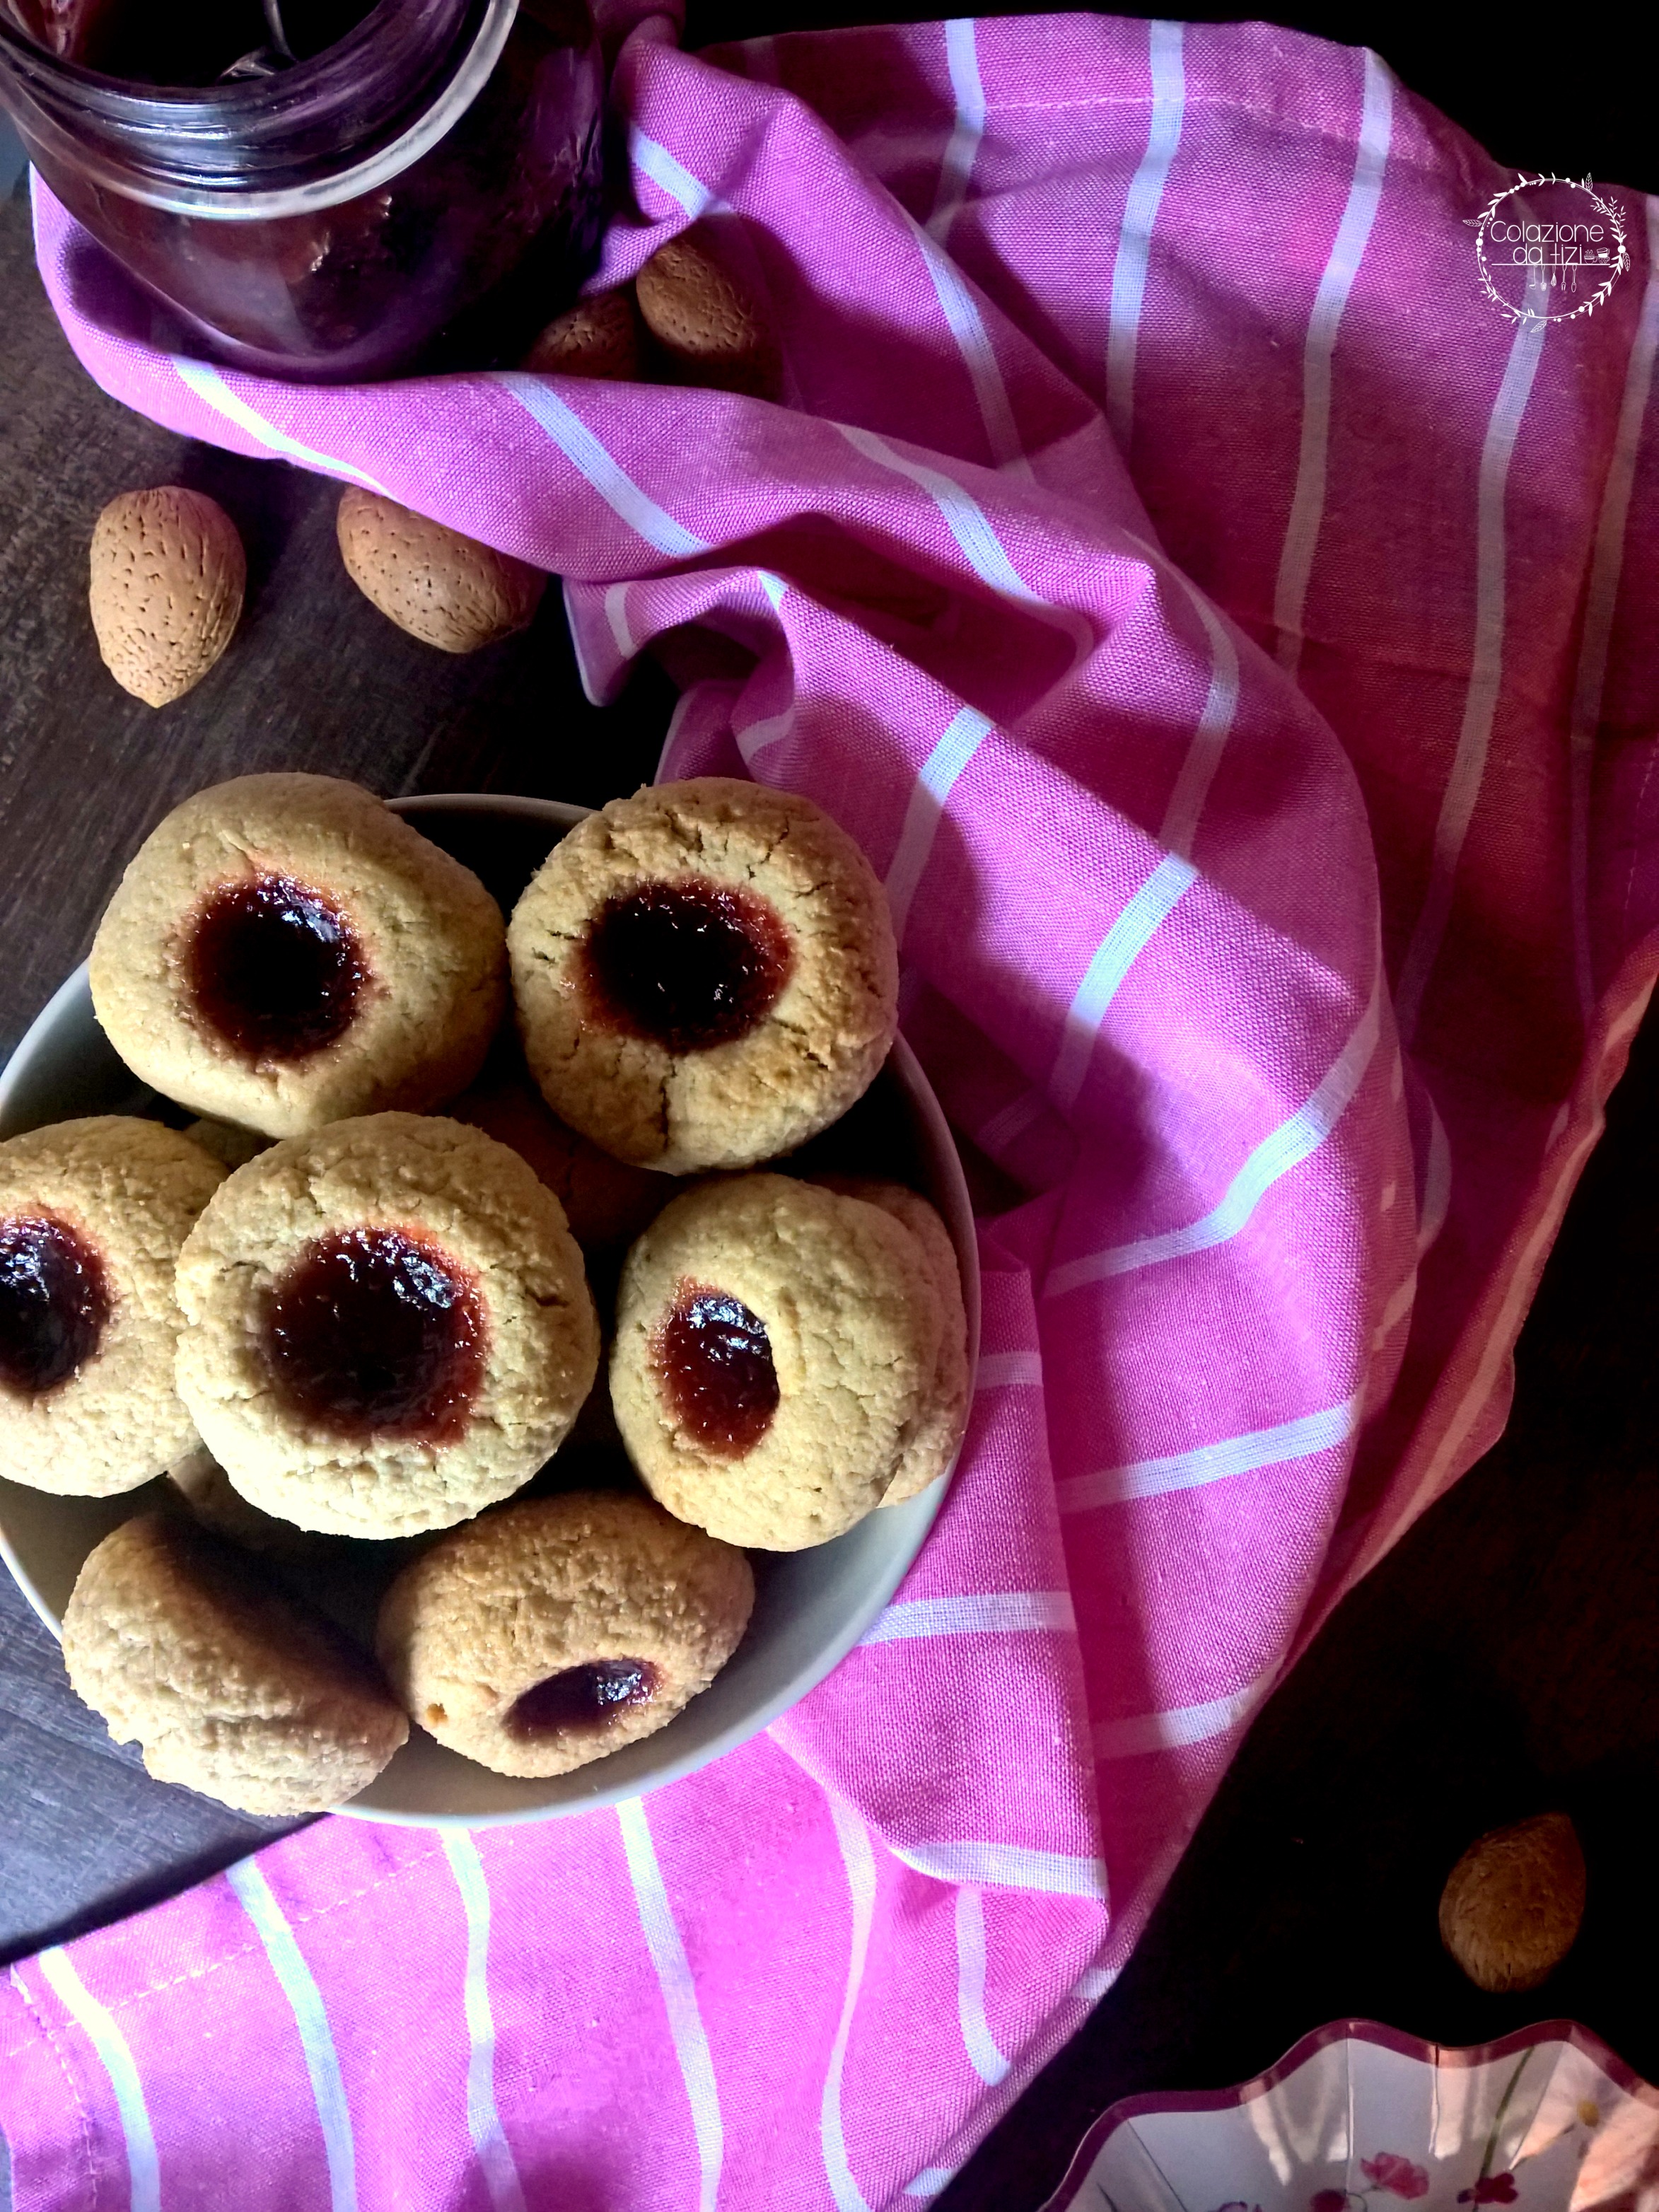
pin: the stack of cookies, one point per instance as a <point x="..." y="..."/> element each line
<point x="341" y="1319"/>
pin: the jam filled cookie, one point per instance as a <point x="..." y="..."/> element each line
<point x="92" y="1217"/>
<point x="937" y="1431"/>
<point x="705" y="974"/>
<point x="553" y="1632"/>
<point x="283" y="951"/>
<point x="228" y="1684"/>
<point x="775" y="1346"/>
<point x="387" y="1327"/>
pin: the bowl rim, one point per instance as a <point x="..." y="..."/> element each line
<point x="1449" y="2057"/>
<point x="922" y="1509"/>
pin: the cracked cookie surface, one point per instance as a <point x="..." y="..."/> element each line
<point x="227" y="1683"/>
<point x="283" y="951"/>
<point x="936" y="1433"/>
<point x="548" y="1633"/>
<point x="387" y="1326"/>
<point x="776" y="1345"/>
<point x="705" y="974"/>
<point x="93" y="1214"/>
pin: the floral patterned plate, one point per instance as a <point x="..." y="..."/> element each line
<point x="1362" y="2118"/>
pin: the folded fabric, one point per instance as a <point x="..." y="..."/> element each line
<point x="1222" y="628"/>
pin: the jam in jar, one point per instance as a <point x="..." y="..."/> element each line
<point x="323" y="189"/>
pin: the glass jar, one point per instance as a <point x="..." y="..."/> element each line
<point x="425" y="190"/>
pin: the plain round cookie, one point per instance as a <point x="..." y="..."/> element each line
<point x="775" y="1343"/>
<point x="313" y="1250"/>
<point x="705" y="974"/>
<point x="549" y="1633"/>
<point x="937" y="1432"/>
<point x="229" y="1685"/>
<point x="283" y="951"/>
<point x="93" y="1214"/>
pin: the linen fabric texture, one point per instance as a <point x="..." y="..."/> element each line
<point x="1219" y="624"/>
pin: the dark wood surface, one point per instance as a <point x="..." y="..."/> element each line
<point x="1505" y="1659"/>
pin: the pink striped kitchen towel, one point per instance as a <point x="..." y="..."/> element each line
<point x="1223" y="626"/>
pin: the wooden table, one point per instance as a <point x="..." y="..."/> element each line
<point x="1503" y="1659"/>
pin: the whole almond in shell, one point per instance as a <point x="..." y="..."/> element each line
<point x="712" y="333"/>
<point x="1512" y="1903"/>
<point x="168" y="573"/>
<point x="448" y="590"/>
<point x="598" y="337"/>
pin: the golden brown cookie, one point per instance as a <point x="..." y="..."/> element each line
<point x="230" y="1685"/>
<point x="548" y="1633"/>
<point x="936" y="1435"/>
<point x="705" y="974"/>
<point x="606" y="1201"/>
<point x="775" y="1344"/>
<point x="387" y="1327"/>
<point x="283" y="952"/>
<point x="92" y="1217"/>
<point x="202" y="1485"/>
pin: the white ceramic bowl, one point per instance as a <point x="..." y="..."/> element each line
<point x="1358" y="2118"/>
<point x="811" y="1607"/>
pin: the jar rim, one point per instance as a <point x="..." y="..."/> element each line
<point x="162" y="117"/>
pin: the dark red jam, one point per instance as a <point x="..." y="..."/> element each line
<point x="586" y="1697"/>
<point x="274" y="969"/>
<point x="374" y="1332"/>
<point x="54" y="1301"/>
<point x="689" y="964"/>
<point x="716" y="1367"/>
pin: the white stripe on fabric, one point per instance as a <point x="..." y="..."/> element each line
<point x="1115" y="955"/>
<point x="969" y="524"/>
<point x="1006" y="1866"/>
<point x="679" y="1995"/>
<point x="98" y="2024"/>
<point x="1011" y="1121"/>
<point x="1180" y="1724"/>
<point x="992" y="1612"/>
<point x="1601" y="599"/>
<point x="483" y="2121"/>
<point x="962" y="59"/>
<point x="963" y="738"/>
<point x="1486" y="674"/>
<point x="756" y="736"/>
<point x="930" y="2181"/>
<point x="616" y="614"/>
<point x="986" y="2060"/>
<point x="1092" y="1983"/>
<point x="1437" y="1184"/>
<point x="775" y="588"/>
<point x="1206" y="1463"/>
<point x="1135" y="237"/>
<point x="673" y="177"/>
<point x="254" y="1893"/>
<point x="210" y="388"/>
<point x="1214" y="726"/>
<point x="608" y="477"/>
<point x="1352" y="232"/>
<point x="1000" y="1370"/>
<point x="596" y="693"/>
<point x="859" y="1860"/>
<point x="973" y="340"/>
<point x="1394" y="1311"/>
<point x="1292" y="1143"/>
